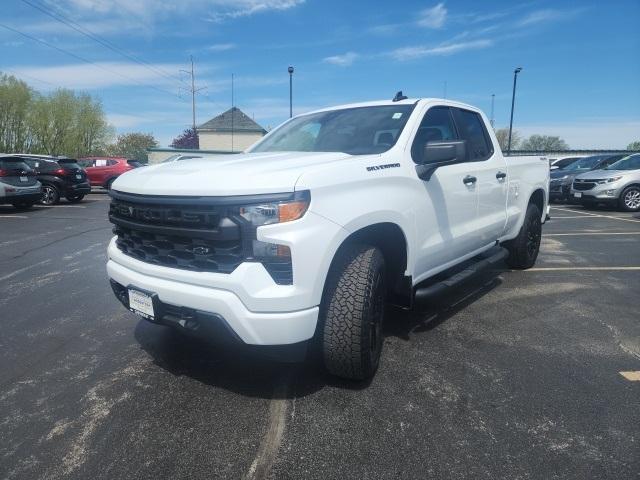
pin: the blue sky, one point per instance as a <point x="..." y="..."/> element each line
<point x="580" y="78"/>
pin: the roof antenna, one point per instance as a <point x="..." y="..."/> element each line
<point x="399" y="96"/>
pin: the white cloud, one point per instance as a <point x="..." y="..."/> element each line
<point x="433" y="17"/>
<point x="413" y="53"/>
<point x="88" y="76"/>
<point x="588" y="134"/>
<point x="547" y="15"/>
<point x="344" y="60"/>
<point x="221" y="47"/>
<point x="229" y="9"/>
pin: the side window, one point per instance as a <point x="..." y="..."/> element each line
<point x="436" y="126"/>
<point x="472" y="129"/>
<point x="111" y="163"/>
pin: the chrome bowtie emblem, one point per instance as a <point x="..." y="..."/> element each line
<point x="131" y="210"/>
<point x="200" y="250"/>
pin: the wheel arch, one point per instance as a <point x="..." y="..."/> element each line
<point x="391" y="240"/>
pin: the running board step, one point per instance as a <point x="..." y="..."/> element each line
<point x="496" y="255"/>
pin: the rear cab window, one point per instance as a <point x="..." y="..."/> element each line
<point x="473" y="130"/>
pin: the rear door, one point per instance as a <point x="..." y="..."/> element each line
<point x="447" y="211"/>
<point x="491" y="172"/>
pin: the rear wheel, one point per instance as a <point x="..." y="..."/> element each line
<point x="74" y="198"/>
<point x="630" y="199"/>
<point x="50" y="195"/>
<point x="352" y="313"/>
<point x="523" y="250"/>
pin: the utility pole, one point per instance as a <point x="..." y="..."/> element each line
<point x="513" y="101"/>
<point x="232" y="108"/>
<point x="493" y="98"/>
<point x="290" y="70"/>
<point x="193" y="90"/>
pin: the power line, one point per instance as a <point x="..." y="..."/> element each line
<point x="62" y="50"/>
<point x="87" y="33"/>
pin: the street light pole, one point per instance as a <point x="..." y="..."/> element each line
<point x="513" y="100"/>
<point x="493" y="99"/>
<point x="290" y="91"/>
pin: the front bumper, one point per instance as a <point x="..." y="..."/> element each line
<point x="252" y="328"/>
<point x="599" y="193"/>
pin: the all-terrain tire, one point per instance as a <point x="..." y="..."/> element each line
<point x="352" y="313"/>
<point x="523" y="250"/>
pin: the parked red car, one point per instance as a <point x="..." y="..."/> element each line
<point x="102" y="171"/>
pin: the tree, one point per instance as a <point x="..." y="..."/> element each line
<point x="502" y="134"/>
<point x="16" y="100"/>
<point x="634" y="146"/>
<point x="133" y="146"/>
<point x="188" y="140"/>
<point x="540" y="143"/>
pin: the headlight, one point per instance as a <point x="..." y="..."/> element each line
<point x="275" y="258"/>
<point x="613" y="179"/>
<point x="277" y="212"/>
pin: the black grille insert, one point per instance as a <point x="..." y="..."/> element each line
<point x="582" y="185"/>
<point x="200" y="235"/>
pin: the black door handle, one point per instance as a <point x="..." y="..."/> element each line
<point x="469" y="180"/>
<point x="501" y="175"/>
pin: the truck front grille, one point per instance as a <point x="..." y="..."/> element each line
<point x="198" y="234"/>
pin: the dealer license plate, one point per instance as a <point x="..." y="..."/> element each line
<point x="577" y="195"/>
<point x="24" y="179"/>
<point x="141" y="303"/>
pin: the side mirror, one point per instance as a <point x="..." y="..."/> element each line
<point x="439" y="154"/>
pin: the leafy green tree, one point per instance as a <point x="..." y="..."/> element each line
<point x="16" y="100"/>
<point x="502" y="134"/>
<point x="634" y="146"/>
<point x="133" y="145"/>
<point x="544" y="143"/>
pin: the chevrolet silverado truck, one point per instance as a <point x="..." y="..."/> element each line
<point x="302" y="239"/>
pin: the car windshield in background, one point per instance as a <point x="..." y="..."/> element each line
<point x="357" y="131"/>
<point x="632" y="162"/>
<point x="69" y="163"/>
<point x="13" y="165"/>
<point x="586" y="163"/>
<point x="134" y="163"/>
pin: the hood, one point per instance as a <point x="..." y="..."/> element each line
<point x="221" y="175"/>
<point x="558" y="174"/>
<point x="594" y="174"/>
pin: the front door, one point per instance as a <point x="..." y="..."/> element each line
<point x="491" y="172"/>
<point x="446" y="214"/>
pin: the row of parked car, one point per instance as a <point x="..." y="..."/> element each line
<point x="27" y="179"/>
<point x="600" y="179"/>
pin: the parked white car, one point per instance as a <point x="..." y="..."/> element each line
<point x="618" y="184"/>
<point x="332" y="214"/>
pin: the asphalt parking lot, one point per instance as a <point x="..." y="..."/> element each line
<point x="514" y="376"/>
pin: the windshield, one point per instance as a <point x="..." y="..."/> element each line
<point x="586" y="163"/>
<point x="632" y="162"/>
<point x="69" y="164"/>
<point x="357" y="131"/>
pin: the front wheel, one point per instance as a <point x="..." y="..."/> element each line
<point x="630" y="199"/>
<point x="50" y="195"/>
<point x="523" y="250"/>
<point x="352" y="313"/>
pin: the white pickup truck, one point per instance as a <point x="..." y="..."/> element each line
<point x="303" y="238"/>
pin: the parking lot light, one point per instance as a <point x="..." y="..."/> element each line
<point x="513" y="100"/>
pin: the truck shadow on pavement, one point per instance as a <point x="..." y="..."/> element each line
<point x="251" y="374"/>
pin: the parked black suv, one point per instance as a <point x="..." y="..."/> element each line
<point x="59" y="177"/>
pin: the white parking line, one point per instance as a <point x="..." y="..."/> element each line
<point x="570" y="269"/>
<point x="598" y="215"/>
<point x="588" y="233"/>
<point x="13" y="216"/>
<point x="61" y="206"/>
<point x="631" y="376"/>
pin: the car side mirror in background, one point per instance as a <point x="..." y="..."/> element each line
<point x="439" y="154"/>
